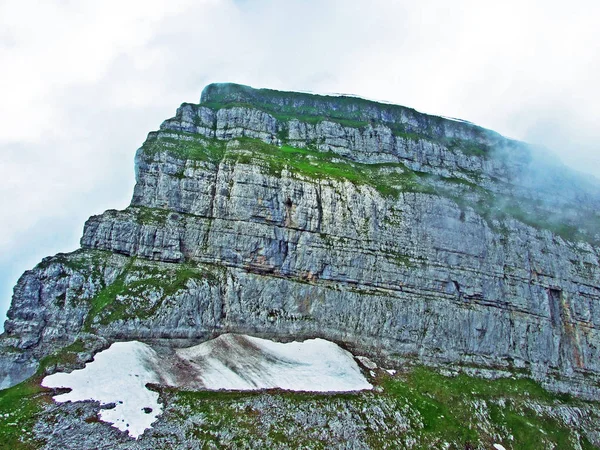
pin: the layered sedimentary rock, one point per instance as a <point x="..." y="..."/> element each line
<point x="406" y="236"/>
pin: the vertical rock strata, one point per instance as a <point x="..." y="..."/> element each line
<point x="294" y="215"/>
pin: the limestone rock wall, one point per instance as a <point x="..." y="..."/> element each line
<point x="416" y="275"/>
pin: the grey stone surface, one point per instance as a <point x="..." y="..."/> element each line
<point x="281" y="421"/>
<point x="416" y="276"/>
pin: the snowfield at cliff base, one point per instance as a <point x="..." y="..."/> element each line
<point x="118" y="375"/>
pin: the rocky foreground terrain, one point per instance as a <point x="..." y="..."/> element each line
<point x="466" y="261"/>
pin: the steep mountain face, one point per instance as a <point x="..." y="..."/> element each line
<point x="407" y="237"/>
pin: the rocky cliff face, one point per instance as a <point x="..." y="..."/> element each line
<point x="406" y="236"/>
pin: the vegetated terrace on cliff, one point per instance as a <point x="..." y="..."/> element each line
<point x="392" y="148"/>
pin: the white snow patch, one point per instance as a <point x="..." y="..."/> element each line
<point x="117" y="375"/>
<point x="391" y="371"/>
<point x="499" y="447"/>
<point x="366" y="362"/>
<point x="120" y="373"/>
<point x="239" y="362"/>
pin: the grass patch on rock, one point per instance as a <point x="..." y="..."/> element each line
<point x="22" y="404"/>
<point x="141" y="288"/>
<point x="452" y="408"/>
<point x="185" y="145"/>
<point x="418" y="409"/>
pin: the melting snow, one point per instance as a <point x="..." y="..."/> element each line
<point x="119" y="374"/>
<point x="499" y="447"/>
<point x="239" y="362"/>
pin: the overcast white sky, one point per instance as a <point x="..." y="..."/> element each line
<point x="82" y="82"/>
